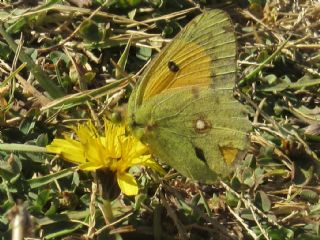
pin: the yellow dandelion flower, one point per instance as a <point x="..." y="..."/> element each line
<point x="113" y="151"/>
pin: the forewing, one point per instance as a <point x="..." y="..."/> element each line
<point x="203" y="53"/>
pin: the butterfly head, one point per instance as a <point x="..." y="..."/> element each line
<point x="140" y="129"/>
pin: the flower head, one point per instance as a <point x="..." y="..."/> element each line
<point x="113" y="151"/>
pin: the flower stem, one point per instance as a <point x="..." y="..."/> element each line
<point x="107" y="210"/>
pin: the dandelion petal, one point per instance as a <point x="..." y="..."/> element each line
<point x="69" y="149"/>
<point x="127" y="184"/>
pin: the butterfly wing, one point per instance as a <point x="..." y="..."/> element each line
<point x="200" y="132"/>
<point x="203" y="53"/>
<point x="183" y="107"/>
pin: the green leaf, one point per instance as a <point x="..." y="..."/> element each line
<point x="41" y="181"/>
<point x="262" y="201"/>
<point x="231" y="199"/>
<point x="43" y="197"/>
<point x="139" y="199"/>
<point x="144" y="53"/>
<point x="57" y="56"/>
<point x="27" y="125"/>
<point x="157" y="222"/>
<point x="91" y="32"/>
<point x="281" y="234"/>
<point x="10" y="169"/>
<point x="5" y="51"/>
<point x="309" y="195"/>
<point x="304" y="82"/>
<point x="248" y="177"/>
<point x="128" y="3"/>
<point x="13" y="147"/>
<point x="77" y="215"/>
<point x="123" y="61"/>
<point x="247" y="214"/>
<point x="17" y="26"/>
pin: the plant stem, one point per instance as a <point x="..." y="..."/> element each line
<point x="107" y="211"/>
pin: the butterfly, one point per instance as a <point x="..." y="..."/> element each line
<point x="183" y="106"/>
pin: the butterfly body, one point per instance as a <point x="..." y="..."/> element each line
<point x="183" y="107"/>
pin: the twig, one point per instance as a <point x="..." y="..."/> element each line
<point x="263" y="231"/>
<point x="112" y="224"/>
<point x="251" y="233"/>
<point x="92" y="207"/>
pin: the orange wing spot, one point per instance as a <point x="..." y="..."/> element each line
<point x="229" y="154"/>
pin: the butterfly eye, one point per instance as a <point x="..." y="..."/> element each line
<point x="173" y="67"/>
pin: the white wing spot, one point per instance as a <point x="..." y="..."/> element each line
<point x="200" y="124"/>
